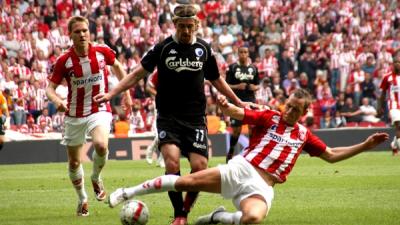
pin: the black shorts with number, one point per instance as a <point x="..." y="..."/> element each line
<point x="189" y="137"/>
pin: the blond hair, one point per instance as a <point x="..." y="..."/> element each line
<point x="76" y="19"/>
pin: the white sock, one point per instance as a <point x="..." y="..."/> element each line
<point x="159" y="184"/>
<point x="77" y="179"/>
<point x="98" y="164"/>
<point x="396" y="142"/>
<point x="228" y="217"/>
<point x="153" y="146"/>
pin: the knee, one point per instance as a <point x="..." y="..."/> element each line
<point x="171" y="165"/>
<point x="101" y="147"/>
<point x="74" y="164"/>
<point x="199" y="165"/>
<point x="252" y="218"/>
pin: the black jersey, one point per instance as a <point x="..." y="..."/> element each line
<point x="182" y="69"/>
<point x="237" y="74"/>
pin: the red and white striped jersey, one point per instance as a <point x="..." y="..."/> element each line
<point x="152" y="80"/>
<point x="274" y="146"/>
<point x="86" y="77"/>
<point x="391" y="84"/>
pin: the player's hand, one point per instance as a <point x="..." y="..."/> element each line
<point x="222" y="101"/>
<point x="61" y="106"/>
<point x="101" y="98"/>
<point x="376" y="139"/>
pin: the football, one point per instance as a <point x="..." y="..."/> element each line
<point x="134" y="212"/>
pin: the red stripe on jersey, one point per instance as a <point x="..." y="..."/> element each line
<point x="294" y="134"/>
<point x="94" y="63"/>
<point x="287" y="170"/>
<point x="261" y="156"/>
<point x="279" y="161"/>
<point x="270" y="146"/>
<point x="76" y="65"/>
<point x="79" y="104"/>
<point x="95" y="91"/>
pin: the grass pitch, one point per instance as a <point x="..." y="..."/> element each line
<point x="363" y="190"/>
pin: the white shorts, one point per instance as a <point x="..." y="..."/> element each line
<point x="394" y="115"/>
<point x="240" y="180"/>
<point x="77" y="129"/>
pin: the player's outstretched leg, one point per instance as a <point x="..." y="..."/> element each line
<point x="219" y="215"/>
<point x="159" y="184"/>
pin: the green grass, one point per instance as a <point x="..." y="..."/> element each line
<point x="363" y="190"/>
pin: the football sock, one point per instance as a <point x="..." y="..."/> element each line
<point x="76" y="177"/>
<point x="1" y="146"/>
<point x="189" y="201"/>
<point x="98" y="164"/>
<point x="177" y="200"/>
<point x="227" y="217"/>
<point x="151" y="148"/>
<point x="232" y="143"/>
<point x="158" y="184"/>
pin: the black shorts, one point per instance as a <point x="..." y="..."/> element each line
<point x="189" y="137"/>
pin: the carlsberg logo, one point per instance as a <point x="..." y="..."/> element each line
<point x="183" y="64"/>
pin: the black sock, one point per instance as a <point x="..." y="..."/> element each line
<point x="189" y="201"/>
<point x="233" y="141"/>
<point x="1" y="146"/>
<point x="177" y="200"/>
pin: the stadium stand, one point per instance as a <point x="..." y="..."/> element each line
<point x="346" y="45"/>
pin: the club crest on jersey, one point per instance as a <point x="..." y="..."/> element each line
<point x="162" y="134"/>
<point x="199" y="52"/>
<point x="250" y="70"/>
<point x="179" y="64"/>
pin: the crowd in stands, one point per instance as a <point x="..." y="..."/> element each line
<point x="337" y="49"/>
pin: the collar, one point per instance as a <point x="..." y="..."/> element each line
<point x="177" y="41"/>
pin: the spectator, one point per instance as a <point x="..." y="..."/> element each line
<point x="351" y="112"/>
<point x="44" y="121"/>
<point x="368" y="111"/>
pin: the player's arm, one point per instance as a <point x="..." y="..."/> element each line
<point x="221" y="85"/>
<point x="230" y="109"/>
<point x="337" y="154"/>
<point x="120" y="73"/>
<point x="128" y="81"/>
<point x="52" y="96"/>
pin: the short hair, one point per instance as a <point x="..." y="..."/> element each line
<point x="185" y="11"/>
<point x="76" y="19"/>
<point x="303" y="94"/>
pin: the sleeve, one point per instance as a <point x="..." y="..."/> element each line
<point x="314" y="146"/>
<point x="211" y="71"/>
<point x="109" y="55"/>
<point x="150" y="59"/>
<point x="229" y="75"/>
<point x="259" y="118"/>
<point x="59" y="71"/>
